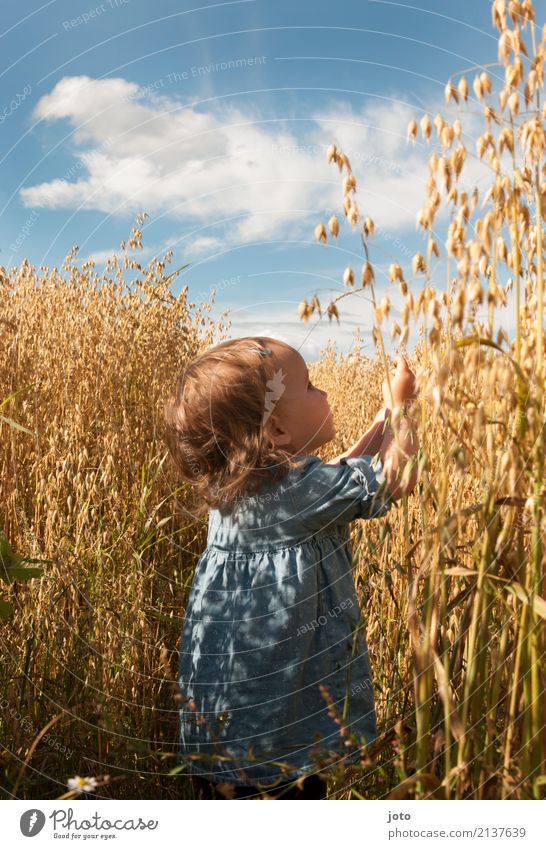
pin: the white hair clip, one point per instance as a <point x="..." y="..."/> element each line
<point x="263" y="351"/>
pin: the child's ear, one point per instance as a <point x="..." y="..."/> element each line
<point x="276" y="431"/>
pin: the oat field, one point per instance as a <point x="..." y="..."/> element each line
<point x="452" y="581"/>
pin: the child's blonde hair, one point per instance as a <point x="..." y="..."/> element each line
<point x="214" y="424"/>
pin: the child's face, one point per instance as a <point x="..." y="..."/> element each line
<point x="301" y="419"/>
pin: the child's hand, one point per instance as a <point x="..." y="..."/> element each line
<point x="403" y="384"/>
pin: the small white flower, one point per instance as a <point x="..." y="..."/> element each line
<point x="82" y="785"/>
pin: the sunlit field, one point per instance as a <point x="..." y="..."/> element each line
<point x="452" y="581"/>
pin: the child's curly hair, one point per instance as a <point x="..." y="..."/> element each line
<point x="214" y="424"/>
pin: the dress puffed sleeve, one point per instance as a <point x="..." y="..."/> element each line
<point x="354" y="488"/>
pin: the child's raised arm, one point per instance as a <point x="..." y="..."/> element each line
<point x="379" y="439"/>
<point x="394" y="459"/>
<point x="370" y="441"/>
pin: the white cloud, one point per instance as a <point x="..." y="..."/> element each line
<point x="203" y="245"/>
<point x="224" y="172"/>
<point x="224" y="177"/>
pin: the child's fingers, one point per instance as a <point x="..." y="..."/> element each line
<point x="400" y="361"/>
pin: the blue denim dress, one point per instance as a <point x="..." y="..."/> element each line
<point x="272" y="614"/>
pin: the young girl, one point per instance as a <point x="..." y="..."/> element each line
<point x="273" y="614"/>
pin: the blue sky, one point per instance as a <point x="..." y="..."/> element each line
<point x="215" y="118"/>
